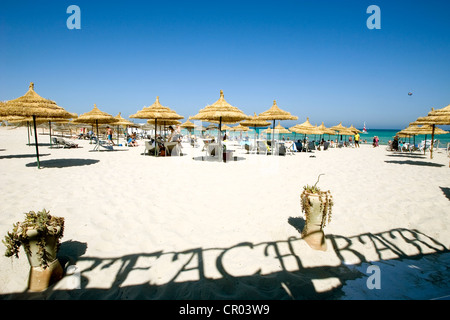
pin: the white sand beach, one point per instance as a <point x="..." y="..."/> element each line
<point x="143" y="227"/>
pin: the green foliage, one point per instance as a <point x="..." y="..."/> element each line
<point x="44" y="224"/>
<point x="325" y="199"/>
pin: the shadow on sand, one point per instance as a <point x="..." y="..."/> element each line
<point x="446" y="192"/>
<point x="19" y="156"/>
<point x="290" y="283"/>
<point x="63" y="163"/>
<point x="415" y="163"/>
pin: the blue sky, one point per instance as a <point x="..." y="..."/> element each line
<point x="317" y="58"/>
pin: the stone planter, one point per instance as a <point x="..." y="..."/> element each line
<point x="42" y="276"/>
<point x="313" y="231"/>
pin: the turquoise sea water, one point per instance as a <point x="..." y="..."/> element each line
<point x="383" y="134"/>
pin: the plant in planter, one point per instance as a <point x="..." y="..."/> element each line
<point x="317" y="206"/>
<point x="40" y="236"/>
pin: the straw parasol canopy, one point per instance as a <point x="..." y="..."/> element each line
<point x="340" y="129"/>
<point x="275" y="113"/>
<point x="96" y="116"/>
<point x="239" y="127"/>
<point x="411" y="130"/>
<point x="121" y="122"/>
<point x="278" y="129"/>
<point x="33" y="105"/>
<point x="326" y="130"/>
<point x="354" y="130"/>
<point x="435" y="117"/>
<point x="222" y="112"/>
<point x="212" y="127"/>
<point x="305" y="128"/>
<point x="188" y="125"/>
<point x="425" y="129"/>
<point x="157" y="112"/>
<point x="255" y="122"/>
<point x="165" y="122"/>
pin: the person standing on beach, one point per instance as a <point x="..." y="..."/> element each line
<point x="357" y="140"/>
<point x="109" y="133"/>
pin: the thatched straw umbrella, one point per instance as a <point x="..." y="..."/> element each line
<point x="156" y="111"/>
<point x="33" y="105"/>
<point x="424" y="130"/>
<point x="96" y="116"/>
<point x="122" y="122"/>
<point x="239" y="128"/>
<point x="222" y="112"/>
<point x="326" y="130"/>
<point x="435" y="117"/>
<point x="275" y="113"/>
<point x="255" y="122"/>
<point x="278" y="129"/>
<point x="353" y="129"/>
<point x="304" y="128"/>
<point x="188" y="125"/>
<point x="339" y="128"/>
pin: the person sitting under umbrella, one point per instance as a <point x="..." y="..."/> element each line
<point x="174" y="141"/>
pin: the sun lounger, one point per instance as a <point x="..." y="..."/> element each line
<point x="289" y="147"/>
<point x="56" y="143"/>
<point x="263" y="148"/>
<point x="66" y="143"/>
<point x="102" y="145"/>
<point x="212" y="149"/>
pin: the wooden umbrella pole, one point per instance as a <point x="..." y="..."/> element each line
<point x="156" y="143"/>
<point x="28" y="131"/>
<point x="273" y="138"/>
<point x="425" y="145"/>
<point x="36" y="142"/>
<point x="220" y="155"/>
<point x="432" y="142"/>
<point x="50" y="132"/>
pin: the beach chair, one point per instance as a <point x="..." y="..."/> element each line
<point x="263" y="148"/>
<point x="149" y="149"/>
<point x="56" y="143"/>
<point x="311" y="146"/>
<point x="102" y="145"/>
<point x="289" y="147"/>
<point x="212" y="149"/>
<point x="66" y="143"/>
